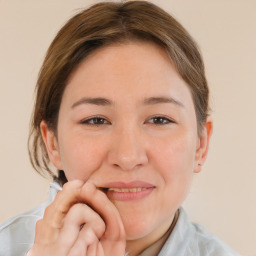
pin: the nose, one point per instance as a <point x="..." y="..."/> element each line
<point x="128" y="150"/>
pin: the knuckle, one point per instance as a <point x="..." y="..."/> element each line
<point x="47" y="211"/>
<point x="60" y="209"/>
<point x="90" y="236"/>
<point x="74" y="184"/>
<point x="39" y="224"/>
<point x="52" y="215"/>
<point x="52" y="209"/>
<point x="77" y="209"/>
<point x="99" y="227"/>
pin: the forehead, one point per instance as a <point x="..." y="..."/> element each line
<point x="132" y="69"/>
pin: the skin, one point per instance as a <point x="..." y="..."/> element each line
<point x="145" y="129"/>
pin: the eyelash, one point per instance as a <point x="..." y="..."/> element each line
<point x="95" y="121"/>
<point x="161" y="120"/>
<point x="98" y="121"/>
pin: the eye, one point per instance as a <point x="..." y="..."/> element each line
<point x="97" y="120"/>
<point x="160" y="120"/>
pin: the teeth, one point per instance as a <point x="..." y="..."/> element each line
<point x="126" y="189"/>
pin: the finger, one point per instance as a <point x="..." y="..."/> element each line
<point x="100" y="251"/>
<point x="56" y="211"/>
<point x="79" y="249"/>
<point x="114" y="239"/>
<point x="92" y="249"/>
<point x="78" y="215"/>
<point x="86" y="243"/>
<point x="101" y="204"/>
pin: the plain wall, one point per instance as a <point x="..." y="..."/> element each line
<point x="223" y="195"/>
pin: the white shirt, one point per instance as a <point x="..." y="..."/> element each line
<point x="186" y="239"/>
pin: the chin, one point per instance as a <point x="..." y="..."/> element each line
<point x="134" y="232"/>
<point x="136" y="226"/>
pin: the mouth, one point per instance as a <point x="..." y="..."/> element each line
<point x="119" y="191"/>
<point x="124" y="190"/>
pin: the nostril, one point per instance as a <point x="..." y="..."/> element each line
<point x="127" y="154"/>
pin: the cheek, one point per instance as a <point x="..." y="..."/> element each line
<point x="81" y="157"/>
<point x="175" y="158"/>
<point x="174" y="163"/>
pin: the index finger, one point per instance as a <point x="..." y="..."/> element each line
<point x="98" y="200"/>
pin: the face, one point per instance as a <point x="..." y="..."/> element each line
<point x="127" y="123"/>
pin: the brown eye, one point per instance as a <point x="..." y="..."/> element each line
<point x="95" y="121"/>
<point x="160" y="120"/>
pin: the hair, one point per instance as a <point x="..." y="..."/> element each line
<point x="100" y="25"/>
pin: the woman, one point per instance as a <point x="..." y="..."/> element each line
<point x="122" y="113"/>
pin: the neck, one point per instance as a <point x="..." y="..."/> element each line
<point x="158" y="236"/>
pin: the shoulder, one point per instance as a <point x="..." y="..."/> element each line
<point x="17" y="234"/>
<point x="190" y="239"/>
<point x="208" y="244"/>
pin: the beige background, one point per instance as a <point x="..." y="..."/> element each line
<point x="223" y="197"/>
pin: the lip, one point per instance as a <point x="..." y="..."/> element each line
<point x="144" y="190"/>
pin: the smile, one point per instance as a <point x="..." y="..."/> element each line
<point x="126" y="189"/>
<point x="132" y="191"/>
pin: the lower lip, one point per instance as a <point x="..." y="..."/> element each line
<point x="129" y="196"/>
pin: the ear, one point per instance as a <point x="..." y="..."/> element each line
<point x="51" y="145"/>
<point x="203" y="145"/>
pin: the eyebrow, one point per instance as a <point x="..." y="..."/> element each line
<point x="94" y="101"/>
<point x="160" y="100"/>
<point x="106" y="102"/>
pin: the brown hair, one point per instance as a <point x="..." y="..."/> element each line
<point x="103" y="24"/>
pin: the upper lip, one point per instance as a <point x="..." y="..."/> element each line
<point x="132" y="184"/>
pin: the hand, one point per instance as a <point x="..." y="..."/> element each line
<point x="80" y="221"/>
